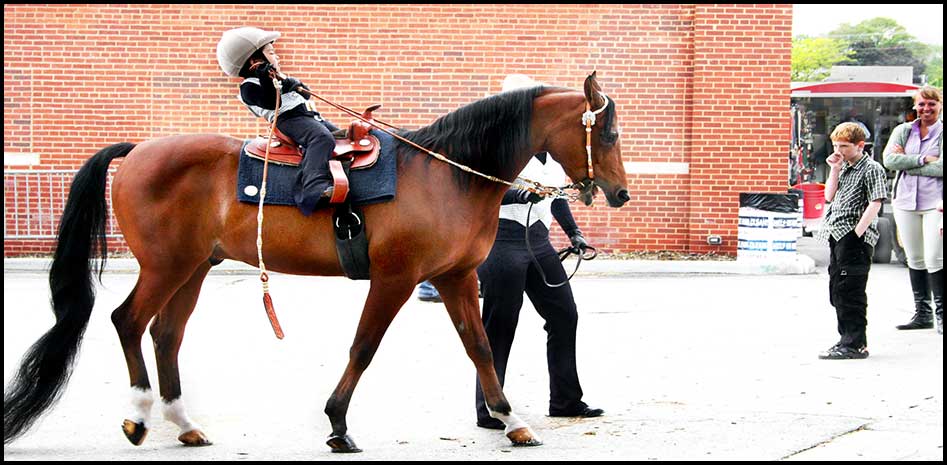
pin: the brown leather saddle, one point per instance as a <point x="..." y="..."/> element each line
<point x="355" y="147"/>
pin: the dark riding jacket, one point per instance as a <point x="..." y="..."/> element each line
<point x="259" y="95"/>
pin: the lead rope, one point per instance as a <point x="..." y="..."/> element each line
<point x="264" y="278"/>
<point x="563" y="255"/>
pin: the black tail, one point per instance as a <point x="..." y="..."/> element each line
<point x="47" y="365"/>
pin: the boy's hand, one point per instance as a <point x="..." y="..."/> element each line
<point x="835" y="160"/>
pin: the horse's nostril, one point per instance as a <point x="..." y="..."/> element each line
<point x="623" y="195"/>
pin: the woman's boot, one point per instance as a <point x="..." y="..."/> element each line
<point x="937" y="288"/>
<point x="921" y="287"/>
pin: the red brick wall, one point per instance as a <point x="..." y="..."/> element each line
<point x="706" y="85"/>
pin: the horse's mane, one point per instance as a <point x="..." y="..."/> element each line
<point x="485" y="135"/>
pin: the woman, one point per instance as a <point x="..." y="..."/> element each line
<point x="914" y="150"/>
<point x="248" y="52"/>
<point x="509" y="271"/>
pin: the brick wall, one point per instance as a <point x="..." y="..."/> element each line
<point x="702" y="90"/>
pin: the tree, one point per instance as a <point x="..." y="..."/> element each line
<point x="883" y="42"/>
<point x="813" y="57"/>
<point x="935" y="66"/>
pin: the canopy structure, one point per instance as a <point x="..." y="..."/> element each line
<point x="855" y="89"/>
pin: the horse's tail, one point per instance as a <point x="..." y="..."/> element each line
<point x="47" y="365"/>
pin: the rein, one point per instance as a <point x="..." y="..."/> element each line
<point x="532" y="186"/>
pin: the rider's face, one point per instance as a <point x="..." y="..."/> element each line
<point x="270" y="53"/>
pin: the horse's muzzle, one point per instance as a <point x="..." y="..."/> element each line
<point x="616" y="197"/>
<point x="620" y="198"/>
<point x="587" y="193"/>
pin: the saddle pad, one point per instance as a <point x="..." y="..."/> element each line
<point x="366" y="186"/>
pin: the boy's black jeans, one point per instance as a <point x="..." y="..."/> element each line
<point x="849" y="263"/>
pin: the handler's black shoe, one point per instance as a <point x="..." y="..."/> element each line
<point x="587" y="412"/>
<point x="840" y="352"/>
<point x="491" y="423"/>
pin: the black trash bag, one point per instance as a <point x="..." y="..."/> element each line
<point x="779" y="203"/>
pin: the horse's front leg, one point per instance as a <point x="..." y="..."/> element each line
<point x="460" y="297"/>
<point x="385" y="299"/>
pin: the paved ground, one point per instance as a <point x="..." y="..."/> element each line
<point x="688" y="365"/>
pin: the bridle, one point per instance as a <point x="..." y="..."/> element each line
<point x="588" y="120"/>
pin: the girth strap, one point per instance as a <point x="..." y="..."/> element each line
<point x="351" y="242"/>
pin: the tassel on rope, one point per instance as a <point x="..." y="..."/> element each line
<point x="268" y="305"/>
<point x="264" y="278"/>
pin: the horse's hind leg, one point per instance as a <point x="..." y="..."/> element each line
<point x="167" y="332"/>
<point x="383" y="302"/>
<point x="460" y="298"/>
<point x="150" y="294"/>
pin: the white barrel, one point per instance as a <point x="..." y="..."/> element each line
<point x="766" y="235"/>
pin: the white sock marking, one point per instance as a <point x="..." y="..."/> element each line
<point x="174" y="412"/>
<point x="142" y="400"/>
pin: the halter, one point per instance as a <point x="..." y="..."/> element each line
<point x="588" y="119"/>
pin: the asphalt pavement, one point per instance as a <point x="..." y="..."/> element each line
<point x="697" y="362"/>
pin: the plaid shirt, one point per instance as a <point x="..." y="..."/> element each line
<point x="858" y="185"/>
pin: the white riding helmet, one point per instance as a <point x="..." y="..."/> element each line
<point x="236" y="46"/>
<point x="519" y="81"/>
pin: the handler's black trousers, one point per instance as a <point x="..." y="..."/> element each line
<point x="504" y="276"/>
<point x="849" y="263"/>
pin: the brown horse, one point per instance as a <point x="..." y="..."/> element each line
<point x="174" y="201"/>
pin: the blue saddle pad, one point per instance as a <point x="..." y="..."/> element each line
<point x="366" y="186"/>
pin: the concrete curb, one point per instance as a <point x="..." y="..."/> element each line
<point x="798" y="264"/>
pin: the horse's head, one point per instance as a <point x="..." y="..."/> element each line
<point x="585" y="141"/>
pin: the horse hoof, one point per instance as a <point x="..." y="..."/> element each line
<point x="135" y="432"/>
<point x="342" y="444"/>
<point x="194" y="438"/>
<point x="523" y="437"/>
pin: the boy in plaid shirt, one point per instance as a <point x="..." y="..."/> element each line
<point x="857" y="185"/>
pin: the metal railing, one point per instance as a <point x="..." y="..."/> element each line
<point x="33" y="202"/>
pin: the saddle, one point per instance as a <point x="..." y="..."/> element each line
<point x="354" y="149"/>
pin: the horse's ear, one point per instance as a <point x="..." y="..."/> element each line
<point x="593" y="92"/>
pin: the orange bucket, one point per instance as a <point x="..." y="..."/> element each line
<point x="813" y="199"/>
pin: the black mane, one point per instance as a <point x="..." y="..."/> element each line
<point x="485" y="135"/>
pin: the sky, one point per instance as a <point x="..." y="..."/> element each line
<point x="925" y="22"/>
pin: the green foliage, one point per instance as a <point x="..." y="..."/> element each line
<point x="873" y="42"/>
<point x="935" y="66"/>
<point x="813" y="57"/>
<point x="883" y="42"/>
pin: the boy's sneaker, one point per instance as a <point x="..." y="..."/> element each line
<point x="841" y="352"/>
<point x="427" y="293"/>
